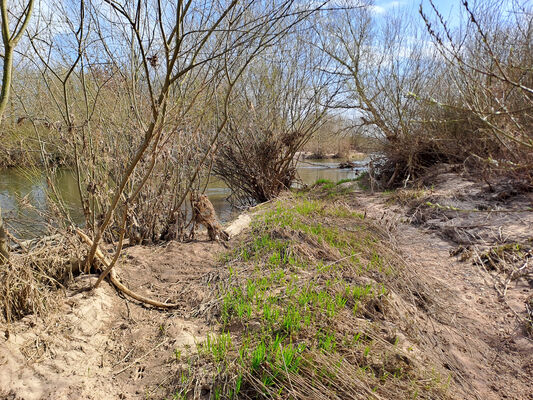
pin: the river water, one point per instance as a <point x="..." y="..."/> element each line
<point x="23" y="199"/>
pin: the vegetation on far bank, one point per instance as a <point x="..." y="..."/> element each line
<point x="27" y="146"/>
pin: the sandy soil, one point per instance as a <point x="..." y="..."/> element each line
<point x="101" y="345"/>
<point x="476" y="333"/>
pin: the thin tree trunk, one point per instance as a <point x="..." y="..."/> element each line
<point x="9" y="41"/>
<point x="4" y="95"/>
<point x="4" y="253"/>
<point x="6" y="78"/>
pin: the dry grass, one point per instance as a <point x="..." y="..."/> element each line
<point x="29" y="281"/>
<point x="20" y="146"/>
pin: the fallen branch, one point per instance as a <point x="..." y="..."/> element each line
<point x="114" y="279"/>
<point x="512" y="274"/>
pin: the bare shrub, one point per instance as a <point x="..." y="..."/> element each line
<point x="257" y="164"/>
<point x="275" y="111"/>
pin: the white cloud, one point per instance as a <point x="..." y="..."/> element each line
<point x="374" y="8"/>
<point x="384" y="8"/>
<point x="377" y="9"/>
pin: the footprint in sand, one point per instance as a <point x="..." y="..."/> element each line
<point x="140" y="373"/>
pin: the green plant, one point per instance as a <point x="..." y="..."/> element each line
<point x="322" y="181"/>
<point x="346" y="180"/>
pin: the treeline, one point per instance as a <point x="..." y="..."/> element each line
<point x="436" y="91"/>
<point x="145" y="99"/>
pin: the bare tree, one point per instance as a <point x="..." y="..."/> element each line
<point x="489" y="64"/>
<point x="144" y="99"/>
<point x="275" y="110"/>
<point x="10" y="39"/>
<point x="432" y="94"/>
<point x="379" y="64"/>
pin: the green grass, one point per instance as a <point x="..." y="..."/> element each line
<point x="296" y="306"/>
<point x="332" y="189"/>
<point x="322" y="181"/>
<point x="346" y="180"/>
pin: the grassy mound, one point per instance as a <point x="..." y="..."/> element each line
<point x="315" y="306"/>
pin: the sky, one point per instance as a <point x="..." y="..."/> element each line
<point x="450" y="9"/>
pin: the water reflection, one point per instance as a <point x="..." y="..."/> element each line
<point x="311" y="171"/>
<point x="23" y="194"/>
<point x="24" y="201"/>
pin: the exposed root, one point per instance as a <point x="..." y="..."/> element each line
<point x="116" y="282"/>
<point x="113" y="278"/>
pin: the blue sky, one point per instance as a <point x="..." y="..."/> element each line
<point x="450" y="9"/>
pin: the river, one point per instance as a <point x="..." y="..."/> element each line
<point x="24" y="203"/>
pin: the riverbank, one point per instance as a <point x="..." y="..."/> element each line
<point x="331" y="292"/>
<point x="25" y="205"/>
<point x="23" y="147"/>
<point x="344" y="155"/>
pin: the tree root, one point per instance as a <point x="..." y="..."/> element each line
<point x="116" y="282"/>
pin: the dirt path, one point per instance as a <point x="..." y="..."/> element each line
<point x="477" y="333"/>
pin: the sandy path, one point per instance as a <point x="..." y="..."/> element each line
<point x="473" y="332"/>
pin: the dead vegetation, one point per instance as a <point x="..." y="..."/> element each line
<point x="204" y="214"/>
<point x="31" y="279"/>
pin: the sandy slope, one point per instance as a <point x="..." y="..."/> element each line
<point x="480" y="333"/>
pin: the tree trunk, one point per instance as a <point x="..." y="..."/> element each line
<point x="4" y="253"/>
<point x="9" y="41"/>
